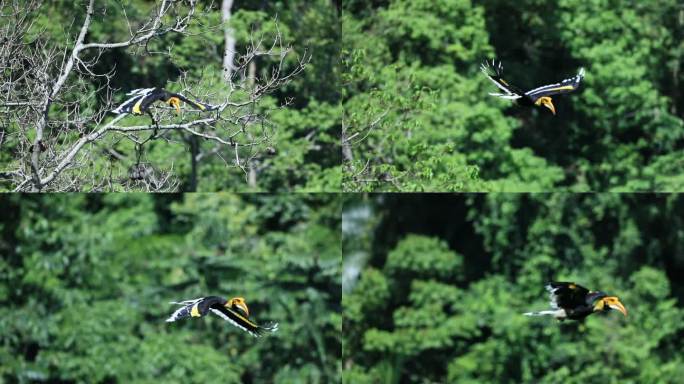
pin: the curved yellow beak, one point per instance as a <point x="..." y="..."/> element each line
<point x="614" y="303"/>
<point x="549" y="104"/>
<point x="244" y="308"/>
<point x="175" y="102"/>
<point x="240" y="303"/>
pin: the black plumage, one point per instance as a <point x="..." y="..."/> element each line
<point x="141" y="99"/>
<point x="537" y="97"/>
<point x="235" y="311"/>
<point x="573" y="301"/>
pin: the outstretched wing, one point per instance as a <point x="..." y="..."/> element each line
<point x="242" y="322"/>
<point x="127" y="106"/>
<point x="566" y="295"/>
<point x="196" y="104"/>
<point x="134" y="103"/>
<point x="140" y="91"/>
<point x="185" y="310"/>
<point x="494" y="73"/>
<point x="565" y="86"/>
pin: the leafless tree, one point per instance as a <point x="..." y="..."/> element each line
<point x="353" y="134"/>
<point x="59" y="125"/>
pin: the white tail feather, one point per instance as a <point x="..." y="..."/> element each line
<point x="186" y="302"/>
<point x="558" y="313"/>
<point x="509" y="96"/>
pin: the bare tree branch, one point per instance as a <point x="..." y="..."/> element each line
<point x="54" y="103"/>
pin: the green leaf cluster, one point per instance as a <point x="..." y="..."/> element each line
<point x="87" y="279"/>
<point x="419" y="118"/>
<point x="445" y="280"/>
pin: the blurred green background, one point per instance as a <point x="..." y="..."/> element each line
<point x="419" y="118"/>
<point x="85" y="282"/>
<point x="434" y="287"/>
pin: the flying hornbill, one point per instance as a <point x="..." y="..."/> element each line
<point x="540" y="96"/>
<point x="234" y="311"/>
<point x="573" y="301"/>
<point x="142" y="98"/>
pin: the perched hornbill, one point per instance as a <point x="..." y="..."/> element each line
<point x="573" y="301"/>
<point x="540" y="96"/>
<point x="234" y="310"/>
<point x="142" y="98"/>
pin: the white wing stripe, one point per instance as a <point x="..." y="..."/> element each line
<point x="140" y="91"/>
<point x="126" y="103"/>
<point x="486" y="73"/>
<point x="137" y="94"/>
<point x="186" y="304"/>
<point x="219" y="313"/>
<point x="509" y="94"/>
<point x="500" y="86"/>
<point x="175" y="315"/>
<point x="553" y="299"/>
<point x="576" y="78"/>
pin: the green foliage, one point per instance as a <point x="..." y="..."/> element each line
<point x="419" y="118"/>
<point x="446" y="305"/>
<point x="435" y="258"/>
<point x="86" y="281"/>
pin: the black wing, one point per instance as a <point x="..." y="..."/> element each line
<point x="494" y="73"/>
<point x="185" y="310"/>
<point x="242" y="322"/>
<point x="565" y="86"/>
<point x="195" y="307"/>
<point x="137" y="98"/>
<point x="151" y="97"/>
<point x="566" y="295"/>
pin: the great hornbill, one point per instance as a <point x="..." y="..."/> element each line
<point x="234" y="311"/>
<point x="538" y="97"/>
<point x="142" y="98"/>
<point x="573" y="301"/>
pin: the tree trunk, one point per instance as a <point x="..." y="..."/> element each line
<point x="229" y="37"/>
<point x="194" y="152"/>
<point x="347" y="154"/>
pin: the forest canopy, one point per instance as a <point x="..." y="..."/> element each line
<point x="86" y="282"/>
<point x="418" y="116"/>
<point x="435" y="287"/>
